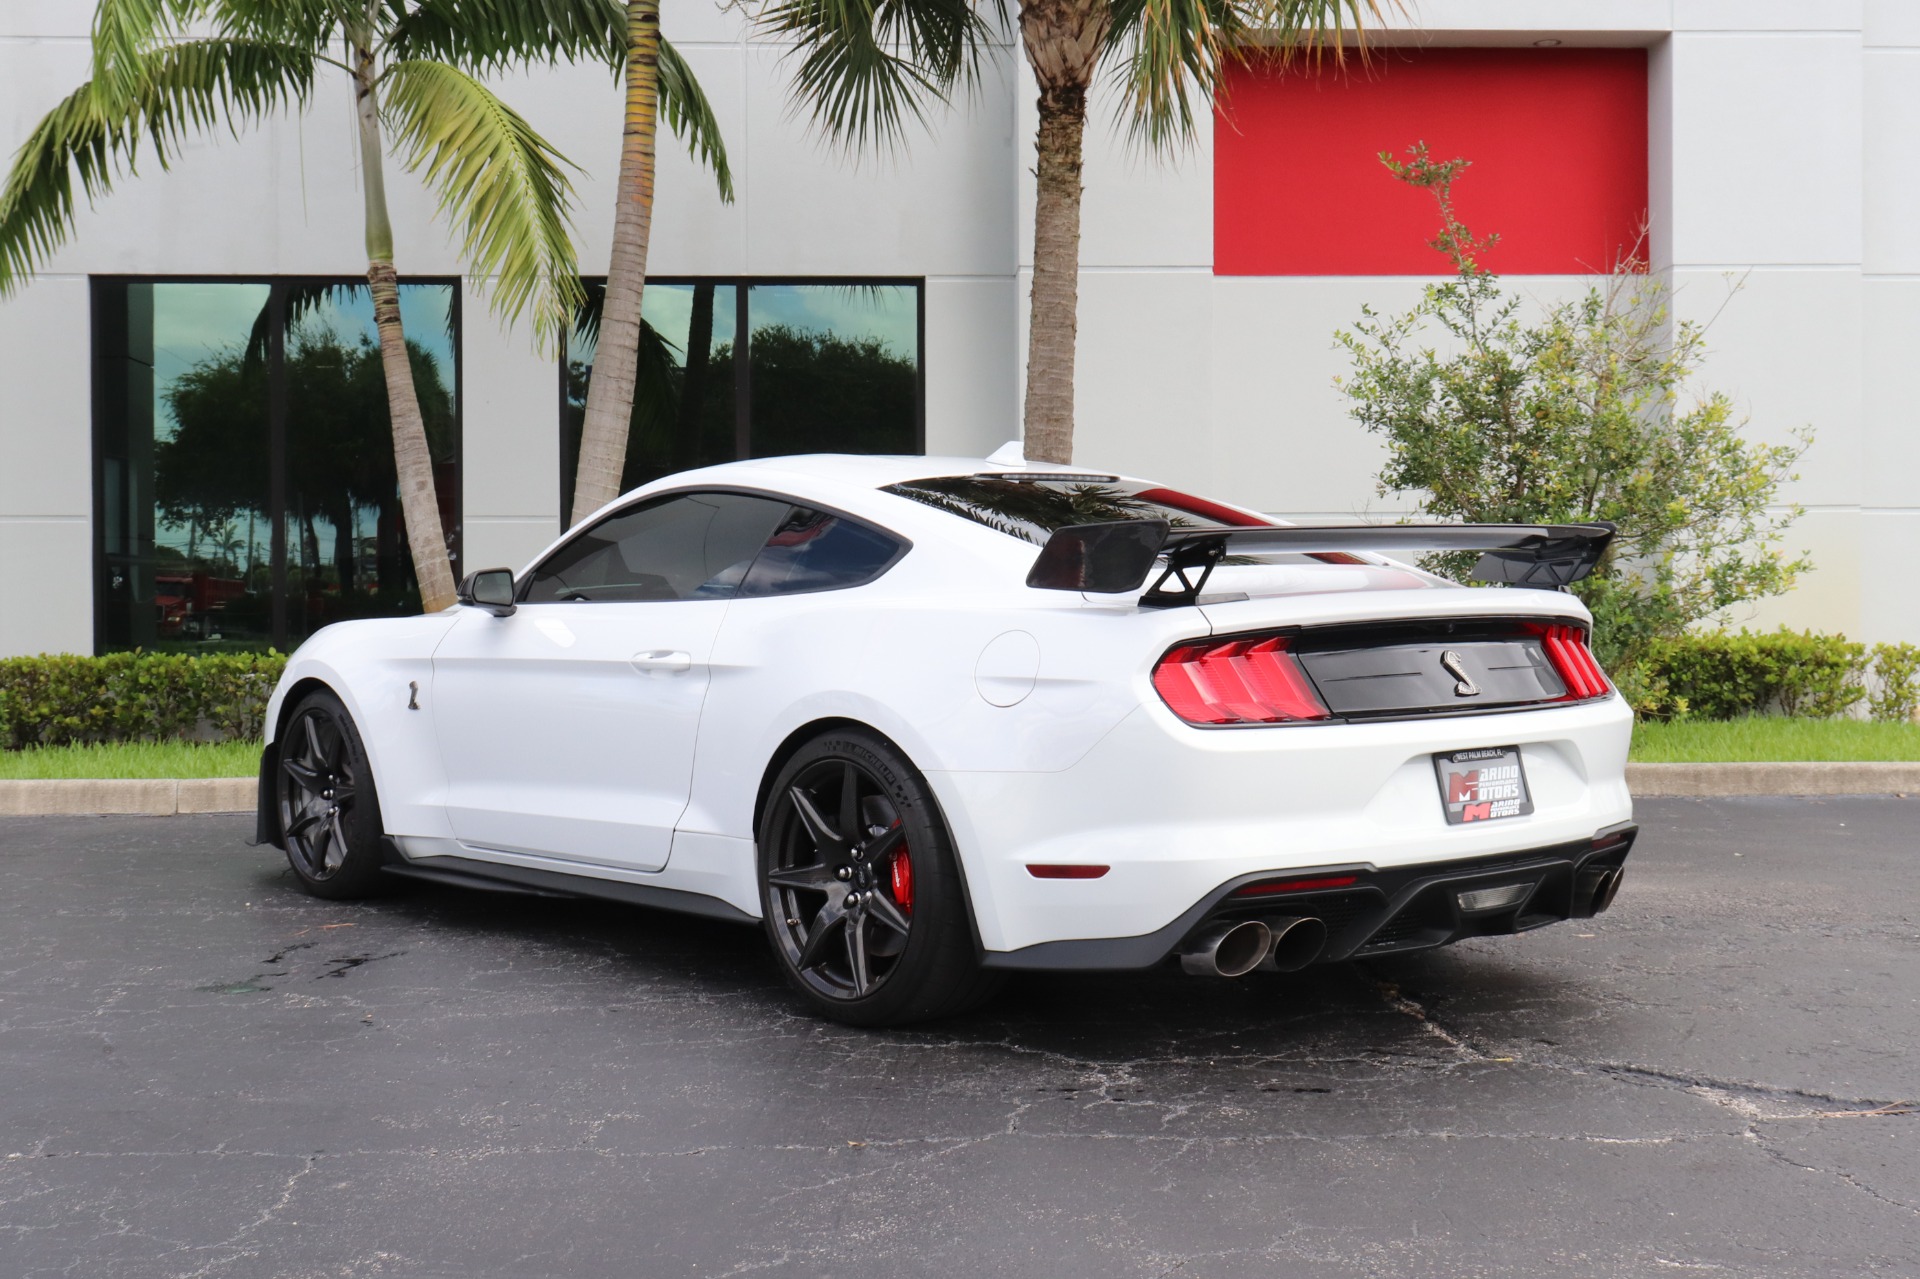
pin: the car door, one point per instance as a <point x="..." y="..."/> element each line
<point x="568" y="726"/>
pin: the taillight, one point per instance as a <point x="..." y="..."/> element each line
<point x="1573" y="661"/>
<point x="1243" y="681"/>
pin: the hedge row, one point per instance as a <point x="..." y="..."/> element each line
<point x="56" y="699"/>
<point x="1725" y="675"/>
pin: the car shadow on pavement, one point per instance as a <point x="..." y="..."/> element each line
<point x="628" y="953"/>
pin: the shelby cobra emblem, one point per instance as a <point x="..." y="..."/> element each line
<point x="1451" y="662"/>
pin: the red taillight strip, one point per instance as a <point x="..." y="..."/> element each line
<point x="1295" y="886"/>
<point x="1573" y="661"/>
<point x="1065" y="870"/>
<point x="1244" y="681"/>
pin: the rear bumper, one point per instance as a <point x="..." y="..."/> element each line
<point x="1382" y="912"/>
<point x="1176" y="813"/>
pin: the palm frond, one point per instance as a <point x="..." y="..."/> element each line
<point x="125" y="31"/>
<point x="176" y="90"/>
<point x="311" y="24"/>
<point x="488" y="35"/>
<point x="684" y="106"/>
<point x="1170" y="55"/>
<point x="499" y="180"/>
<point x="859" y="89"/>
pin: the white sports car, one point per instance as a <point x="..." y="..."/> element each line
<point x="930" y="719"/>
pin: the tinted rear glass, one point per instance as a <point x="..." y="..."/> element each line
<point x="1033" y="509"/>
<point x="815" y="551"/>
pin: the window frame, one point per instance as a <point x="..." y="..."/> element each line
<point x="743" y="285"/>
<point x="99" y="287"/>
<point x="902" y="543"/>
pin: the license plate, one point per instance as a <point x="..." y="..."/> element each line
<point x="1483" y="785"/>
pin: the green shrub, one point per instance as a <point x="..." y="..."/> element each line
<point x="60" y="698"/>
<point x="1727" y="675"/>
<point x="1896" y="669"/>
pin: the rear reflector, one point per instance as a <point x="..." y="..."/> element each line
<point x="1294" y="886"/>
<point x="1065" y="871"/>
<point x="1244" y="681"/>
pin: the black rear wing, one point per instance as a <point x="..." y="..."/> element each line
<point x="1115" y="557"/>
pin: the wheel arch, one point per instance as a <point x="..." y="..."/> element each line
<point x="799" y="737"/>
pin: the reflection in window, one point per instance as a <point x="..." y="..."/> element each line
<point x="831" y="368"/>
<point x="186" y="435"/>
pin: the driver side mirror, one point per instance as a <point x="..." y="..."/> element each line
<point x="491" y="589"/>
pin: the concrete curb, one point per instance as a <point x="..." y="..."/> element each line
<point x="1650" y="781"/>
<point x="157" y="798"/>
<point x="154" y="798"/>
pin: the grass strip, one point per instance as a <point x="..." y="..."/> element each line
<point x="1763" y="739"/>
<point x="133" y="760"/>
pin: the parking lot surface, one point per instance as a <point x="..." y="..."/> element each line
<point x="205" y="1073"/>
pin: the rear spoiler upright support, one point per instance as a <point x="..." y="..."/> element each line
<point x="1118" y="556"/>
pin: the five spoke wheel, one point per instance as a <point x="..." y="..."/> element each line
<point x="840" y="879"/>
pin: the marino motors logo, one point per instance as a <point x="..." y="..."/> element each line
<point x="1483" y="785"/>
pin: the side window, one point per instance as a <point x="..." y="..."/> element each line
<point x="815" y="551"/>
<point x="692" y="546"/>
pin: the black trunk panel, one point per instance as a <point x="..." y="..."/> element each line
<point x="1435" y="668"/>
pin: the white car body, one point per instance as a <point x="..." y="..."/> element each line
<point x="625" y="746"/>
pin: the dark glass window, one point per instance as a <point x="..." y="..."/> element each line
<point x="830" y="368"/>
<point x="689" y="546"/>
<point x="817" y="551"/>
<point x="245" y="491"/>
<point x="1033" y="508"/>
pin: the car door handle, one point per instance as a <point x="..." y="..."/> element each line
<point x="660" y="661"/>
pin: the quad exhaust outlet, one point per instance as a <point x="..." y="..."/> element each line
<point x="1297" y="942"/>
<point x="1231" y="948"/>
<point x="1227" y="949"/>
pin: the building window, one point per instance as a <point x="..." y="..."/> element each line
<point x="1557" y="137"/>
<point x="245" y="493"/>
<point x="832" y="366"/>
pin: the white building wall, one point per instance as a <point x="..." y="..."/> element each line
<point x="1781" y="137"/>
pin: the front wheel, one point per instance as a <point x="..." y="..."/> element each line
<point x="329" y="813"/>
<point x="858" y="883"/>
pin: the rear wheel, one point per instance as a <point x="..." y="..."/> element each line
<point x="858" y="883"/>
<point x="329" y="813"/>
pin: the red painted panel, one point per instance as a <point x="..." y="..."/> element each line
<point x="1558" y="140"/>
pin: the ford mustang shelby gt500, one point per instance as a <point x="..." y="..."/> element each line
<point x="926" y="720"/>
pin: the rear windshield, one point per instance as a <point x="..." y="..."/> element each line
<point x="1033" y="508"/>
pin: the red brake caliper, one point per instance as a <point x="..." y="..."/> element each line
<point x="902" y="884"/>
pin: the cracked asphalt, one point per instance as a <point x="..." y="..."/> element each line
<point x="205" y="1073"/>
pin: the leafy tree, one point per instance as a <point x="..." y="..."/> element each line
<point x="165" y="71"/>
<point x="863" y="69"/>
<point x="1586" y="413"/>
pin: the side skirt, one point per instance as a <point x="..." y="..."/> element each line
<point x="498" y="878"/>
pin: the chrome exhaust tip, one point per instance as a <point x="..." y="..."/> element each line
<point x="1607" y="887"/>
<point x="1297" y="942"/>
<point x="1227" y="949"/>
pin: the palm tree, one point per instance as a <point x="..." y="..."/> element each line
<point x="657" y="81"/>
<point x="863" y="68"/>
<point x="166" y="70"/>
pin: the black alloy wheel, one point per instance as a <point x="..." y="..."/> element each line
<point x="329" y="814"/>
<point x="864" y="907"/>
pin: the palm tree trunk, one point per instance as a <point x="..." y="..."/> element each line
<point x="609" y="413"/>
<point x="412" y="460"/>
<point x="1063" y="40"/>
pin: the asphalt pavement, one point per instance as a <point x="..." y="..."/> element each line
<point x="204" y="1072"/>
